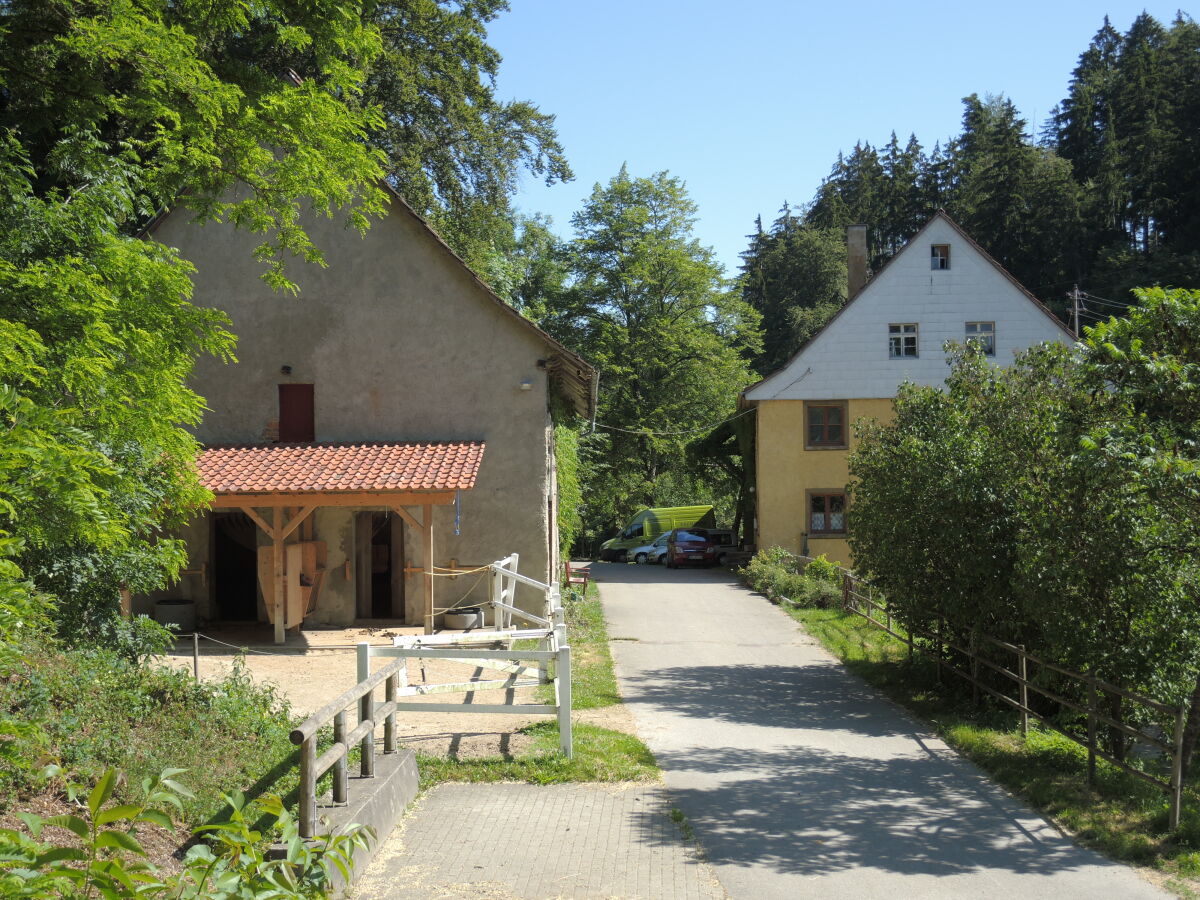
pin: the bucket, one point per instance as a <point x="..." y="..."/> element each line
<point x="180" y="613"/>
<point x="464" y="617"/>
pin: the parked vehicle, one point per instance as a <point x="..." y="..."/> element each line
<point x="652" y="553"/>
<point x="648" y="524"/>
<point x="726" y="542"/>
<point x="690" y="547"/>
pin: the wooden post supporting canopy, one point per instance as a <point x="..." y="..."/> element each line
<point x="427" y="553"/>
<point x="277" y="565"/>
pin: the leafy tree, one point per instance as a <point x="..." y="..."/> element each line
<point x="1053" y="503"/>
<point x="108" y="111"/>
<point x="649" y="306"/>
<point x="453" y="150"/>
<point x="1149" y="363"/>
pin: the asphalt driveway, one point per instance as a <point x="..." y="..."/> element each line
<point x="802" y="781"/>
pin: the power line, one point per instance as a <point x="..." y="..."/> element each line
<point x="648" y="433"/>
<point x="1101" y="300"/>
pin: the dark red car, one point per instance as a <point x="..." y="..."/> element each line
<point x="690" y="547"/>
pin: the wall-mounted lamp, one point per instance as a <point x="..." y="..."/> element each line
<point x="285" y="370"/>
<point x="527" y="384"/>
<point x="541" y="364"/>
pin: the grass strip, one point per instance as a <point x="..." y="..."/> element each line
<point x="600" y="754"/>
<point x="1121" y="816"/>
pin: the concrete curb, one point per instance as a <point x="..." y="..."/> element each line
<point x="378" y="802"/>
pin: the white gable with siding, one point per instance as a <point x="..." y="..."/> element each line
<point x="850" y="358"/>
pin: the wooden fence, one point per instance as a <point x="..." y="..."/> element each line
<point x="863" y="599"/>
<point x="549" y="661"/>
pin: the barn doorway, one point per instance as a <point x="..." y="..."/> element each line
<point x="235" y="567"/>
<point x="380" y="565"/>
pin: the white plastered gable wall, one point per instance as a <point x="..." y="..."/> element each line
<point x="850" y="358"/>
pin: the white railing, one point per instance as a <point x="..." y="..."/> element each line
<point x="548" y="662"/>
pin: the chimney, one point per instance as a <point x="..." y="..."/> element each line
<point x="856" y="259"/>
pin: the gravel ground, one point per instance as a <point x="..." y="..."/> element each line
<point x="317" y="665"/>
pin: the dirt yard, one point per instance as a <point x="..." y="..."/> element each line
<point x="317" y="665"/>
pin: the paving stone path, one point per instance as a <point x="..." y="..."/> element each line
<point x="510" y="841"/>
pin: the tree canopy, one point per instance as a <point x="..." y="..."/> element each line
<point x="109" y="111"/>
<point x="1053" y="503"/>
<point x="649" y="306"/>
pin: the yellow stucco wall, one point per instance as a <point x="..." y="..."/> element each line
<point x="786" y="471"/>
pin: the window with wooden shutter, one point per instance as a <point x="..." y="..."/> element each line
<point x="296" y="419"/>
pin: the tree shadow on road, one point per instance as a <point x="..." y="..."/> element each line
<point x="811" y="812"/>
<point x="816" y="695"/>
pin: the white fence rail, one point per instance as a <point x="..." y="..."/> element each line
<point x="548" y="662"/>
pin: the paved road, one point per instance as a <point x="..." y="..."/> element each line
<point x="800" y="780"/>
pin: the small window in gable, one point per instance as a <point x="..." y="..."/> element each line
<point x="939" y="256"/>
<point x="902" y="340"/>
<point x="982" y="335"/>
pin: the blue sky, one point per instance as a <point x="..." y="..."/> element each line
<point x="750" y="103"/>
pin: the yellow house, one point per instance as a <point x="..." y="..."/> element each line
<point x="940" y="287"/>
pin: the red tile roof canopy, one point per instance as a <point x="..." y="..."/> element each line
<point x="293" y="469"/>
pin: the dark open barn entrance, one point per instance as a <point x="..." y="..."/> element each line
<point x="235" y="567"/>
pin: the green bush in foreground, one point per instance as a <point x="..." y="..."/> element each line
<point x="107" y="860"/>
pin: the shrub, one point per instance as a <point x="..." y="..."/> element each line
<point x="106" y="858"/>
<point x="822" y="594"/>
<point x="100" y="710"/>
<point x="768" y="569"/>
<point x="822" y="569"/>
<point x="776" y="572"/>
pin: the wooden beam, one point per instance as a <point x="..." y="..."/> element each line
<point x="277" y="564"/>
<point x="407" y="517"/>
<point x="295" y="521"/>
<point x="427" y="553"/>
<point x="388" y="499"/>
<point x="259" y="521"/>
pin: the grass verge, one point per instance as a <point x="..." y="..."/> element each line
<point x="1121" y="816"/>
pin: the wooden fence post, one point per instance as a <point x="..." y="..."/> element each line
<point x="366" y="711"/>
<point x="389" y="723"/>
<point x="562" y="684"/>
<point x="339" y="768"/>
<point x="497" y="592"/>
<point x="937" y="653"/>
<point x="562" y="690"/>
<point x="308" y="787"/>
<point x="1023" y="672"/>
<point x="1177" y="768"/>
<point x="1091" y="729"/>
<point x="846" y="591"/>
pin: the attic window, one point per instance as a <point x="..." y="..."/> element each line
<point x="939" y="257"/>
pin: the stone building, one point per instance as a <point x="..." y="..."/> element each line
<point x="388" y="426"/>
